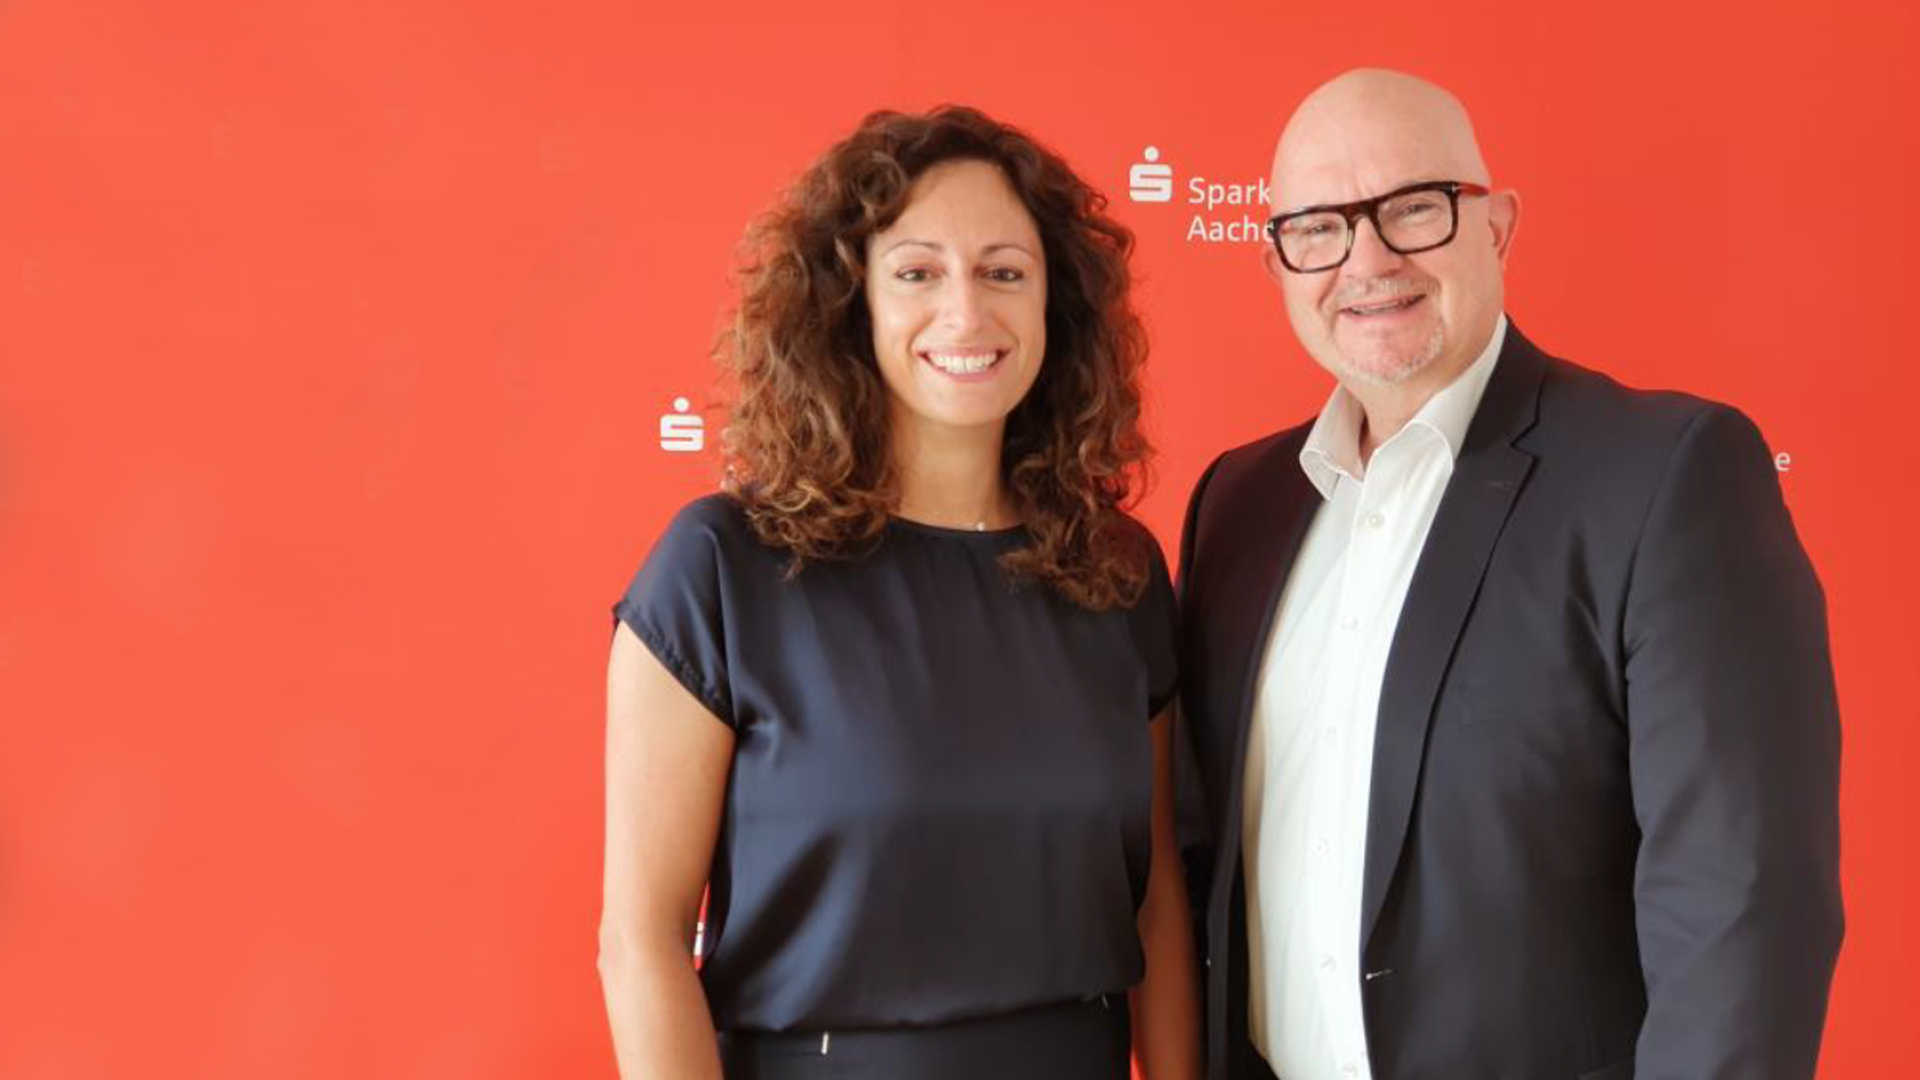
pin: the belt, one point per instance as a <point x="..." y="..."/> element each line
<point x="822" y="1041"/>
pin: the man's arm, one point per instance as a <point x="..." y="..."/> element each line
<point x="1192" y="829"/>
<point x="1735" y="745"/>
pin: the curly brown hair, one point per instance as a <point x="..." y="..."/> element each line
<point x="807" y="443"/>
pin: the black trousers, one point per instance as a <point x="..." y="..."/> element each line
<point x="1088" y="1040"/>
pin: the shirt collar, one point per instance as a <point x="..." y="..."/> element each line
<point x="1333" y="446"/>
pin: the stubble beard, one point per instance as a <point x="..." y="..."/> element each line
<point x="1390" y="373"/>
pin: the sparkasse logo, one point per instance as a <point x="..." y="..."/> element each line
<point x="1152" y="181"/>
<point x="1149" y="181"/>
<point x="682" y="432"/>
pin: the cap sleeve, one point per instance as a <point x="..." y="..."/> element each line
<point x="1154" y="624"/>
<point x="675" y="603"/>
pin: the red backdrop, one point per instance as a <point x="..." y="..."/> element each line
<point x="335" y="340"/>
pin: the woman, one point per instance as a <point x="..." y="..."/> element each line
<point x="890" y="694"/>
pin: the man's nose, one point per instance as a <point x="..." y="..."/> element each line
<point x="1370" y="256"/>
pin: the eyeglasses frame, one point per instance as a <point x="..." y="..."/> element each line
<point x="1370" y="209"/>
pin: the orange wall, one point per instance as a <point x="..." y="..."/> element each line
<point x="335" y="337"/>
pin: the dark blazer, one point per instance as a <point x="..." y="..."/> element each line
<point x="1602" y="836"/>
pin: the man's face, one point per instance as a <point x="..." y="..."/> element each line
<point x="1381" y="318"/>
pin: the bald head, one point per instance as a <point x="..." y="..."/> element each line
<point x="1393" y="324"/>
<point x="1374" y="129"/>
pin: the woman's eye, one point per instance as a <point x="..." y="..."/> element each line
<point x="1005" y="274"/>
<point x="914" y="274"/>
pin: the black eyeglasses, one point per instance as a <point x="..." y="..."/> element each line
<point x="1408" y="220"/>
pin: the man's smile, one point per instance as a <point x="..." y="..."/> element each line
<point x="1379" y="308"/>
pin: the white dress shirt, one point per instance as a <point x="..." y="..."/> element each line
<point x="1309" y="759"/>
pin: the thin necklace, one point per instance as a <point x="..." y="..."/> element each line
<point x="979" y="524"/>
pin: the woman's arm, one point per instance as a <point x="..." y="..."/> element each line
<point x="667" y="761"/>
<point x="1166" y="1004"/>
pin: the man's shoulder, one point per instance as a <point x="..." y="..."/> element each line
<point x="1571" y="391"/>
<point x="1247" y="484"/>
<point x="1629" y="437"/>
<point x="1261" y="457"/>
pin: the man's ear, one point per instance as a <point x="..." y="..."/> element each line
<point x="1270" y="259"/>
<point x="1503" y="216"/>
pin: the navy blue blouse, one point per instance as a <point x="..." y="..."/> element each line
<point x="939" y="800"/>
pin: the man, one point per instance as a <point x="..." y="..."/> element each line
<point x="1508" y="687"/>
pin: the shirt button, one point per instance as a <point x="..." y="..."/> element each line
<point x="1326" y="964"/>
<point x="1330" y="733"/>
<point x="1350" y="1069"/>
<point x="1322" y="848"/>
<point x="1349" y="623"/>
<point x="1376" y="519"/>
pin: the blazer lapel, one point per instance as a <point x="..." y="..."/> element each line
<point x="1486" y="480"/>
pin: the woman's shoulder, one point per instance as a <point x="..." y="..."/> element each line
<point x="718" y="514"/>
<point x="710" y="529"/>
<point x="1134" y="537"/>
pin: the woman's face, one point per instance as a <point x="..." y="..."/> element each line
<point x="958" y="292"/>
